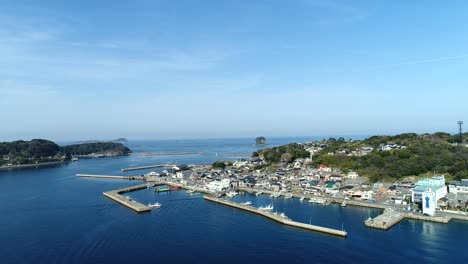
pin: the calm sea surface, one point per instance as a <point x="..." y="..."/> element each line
<point x="49" y="215"/>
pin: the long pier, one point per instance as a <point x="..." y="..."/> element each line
<point x="277" y="218"/>
<point x="111" y="177"/>
<point x="128" y="202"/>
<point x="148" y="167"/>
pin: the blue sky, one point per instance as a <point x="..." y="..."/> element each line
<point x="188" y="69"/>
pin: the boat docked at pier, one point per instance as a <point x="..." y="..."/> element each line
<point x="343" y="204"/>
<point x="161" y="189"/>
<point x="320" y="201"/>
<point x="275" y="195"/>
<point x="266" y="208"/>
<point x="302" y="198"/>
<point x="288" y="196"/>
<point x="231" y="194"/>
<point x="154" y="205"/>
<point x="258" y="193"/>
<point x="247" y="203"/>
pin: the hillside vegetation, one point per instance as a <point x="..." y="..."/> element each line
<point x="382" y="157"/>
<point x="286" y="153"/>
<point x="40" y="150"/>
<point x="419" y="154"/>
<point x="111" y="148"/>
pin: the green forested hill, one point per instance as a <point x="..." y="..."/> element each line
<point x="97" y="148"/>
<point x="40" y="150"/>
<point x="418" y="154"/>
<point x="286" y="153"/>
<point x="28" y="152"/>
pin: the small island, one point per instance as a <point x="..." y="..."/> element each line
<point x="260" y="141"/>
<point x="37" y="152"/>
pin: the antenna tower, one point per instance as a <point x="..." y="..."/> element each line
<point x="460" y="134"/>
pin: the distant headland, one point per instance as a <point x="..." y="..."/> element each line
<point x="119" y="140"/>
<point x="37" y="152"/>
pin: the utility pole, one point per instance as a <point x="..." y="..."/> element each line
<point x="460" y="134"/>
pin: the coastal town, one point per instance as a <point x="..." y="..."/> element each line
<point x="300" y="179"/>
<point x="430" y="199"/>
<point x="325" y="183"/>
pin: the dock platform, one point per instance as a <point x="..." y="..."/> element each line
<point x="391" y="217"/>
<point x="277" y="218"/>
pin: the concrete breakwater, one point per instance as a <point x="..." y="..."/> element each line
<point x="111" y="177"/>
<point x="277" y="218"/>
<point x="148" y="167"/>
<point x="128" y="202"/>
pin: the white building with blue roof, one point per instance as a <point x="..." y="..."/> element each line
<point x="436" y="184"/>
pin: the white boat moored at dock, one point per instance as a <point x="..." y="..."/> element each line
<point x="231" y="194"/>
<point x="154" y="205"/>
<point x="275" y="195"/>
<point x="266" y="208"/>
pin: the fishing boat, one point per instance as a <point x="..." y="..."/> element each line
<point x="266" y="208"/>
<point x="275" y="195"/>
<point x="321" y="201"/>
<point x="154" y="205"/>
<point x="161" y="189"/>
<point x="248" y="203"/>
<point x="231" y="194"/>
<point x="343" y="204"/>
<point x="302" y="198"/>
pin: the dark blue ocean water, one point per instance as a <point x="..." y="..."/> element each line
<point x="49" y="215"/>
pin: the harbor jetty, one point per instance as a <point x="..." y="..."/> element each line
<point x="149" y="167"/>
<point x="277" y="218"/>
<point x="111" y="177"/>
<point x="128" y="202"/>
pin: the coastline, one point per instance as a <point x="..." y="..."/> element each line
<point x="42" y="164"/>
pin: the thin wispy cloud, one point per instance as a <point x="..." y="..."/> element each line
<point x="425" y="61"/>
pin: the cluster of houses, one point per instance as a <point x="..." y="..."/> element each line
<point x="457" y="196"/>
<point x="296" y="177"/>
<point x="387" y="147"/>
<point x="362" y="151"/>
